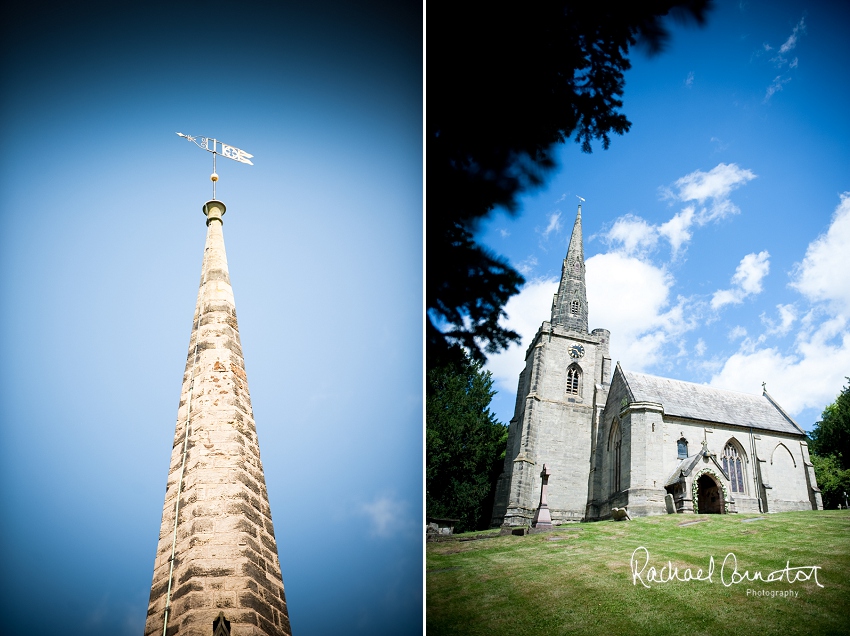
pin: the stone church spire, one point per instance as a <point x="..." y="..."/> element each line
<point x="216" y="562"/>
<point x="569" y="307"/>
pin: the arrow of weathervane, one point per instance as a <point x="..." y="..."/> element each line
<point x="231" y="152"/>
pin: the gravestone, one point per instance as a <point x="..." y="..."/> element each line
<point x="668" y="501"/>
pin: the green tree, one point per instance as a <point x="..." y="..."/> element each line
<point x="465" y="443"/>
<point x="829" y="443"/>
<point x="832" y="480"/>
<point x="505" y="86"/>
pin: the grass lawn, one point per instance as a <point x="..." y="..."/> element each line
<point x="578" y="579"/>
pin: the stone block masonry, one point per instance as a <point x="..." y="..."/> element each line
<point x="225" y="553"/>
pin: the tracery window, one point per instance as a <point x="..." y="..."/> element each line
<point x="574" y="380"/>
<point x="682" y="445"/>
<point x="734" y="467"/>
<point x="574" y="307"/>
<point x="615" y="443"/>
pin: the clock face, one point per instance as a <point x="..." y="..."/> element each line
<point x="576" y="351"/>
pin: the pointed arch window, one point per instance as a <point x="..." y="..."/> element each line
<point x="221" y="626"/>
<point x="615" y="443"/>
<point x="574" y="307"/>
<point x="734" y="466"/>
<point x="682" y="446"/>
<point x="574" y="380"/>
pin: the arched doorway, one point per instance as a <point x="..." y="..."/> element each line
<point x="709" y="496"/>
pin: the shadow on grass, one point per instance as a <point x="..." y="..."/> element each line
<point x="582" y="583"/>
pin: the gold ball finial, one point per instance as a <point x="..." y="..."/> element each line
<point x="213" y="177"/>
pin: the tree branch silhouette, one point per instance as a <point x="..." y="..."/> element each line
<point x="504" y="88"/>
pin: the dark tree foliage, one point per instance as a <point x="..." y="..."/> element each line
<point x="465" y="444"/>
<point x="831" y="435"/>
<point x="505" y="84"/>
<point x="833" y="481"/>
<point x="829" y="443"/>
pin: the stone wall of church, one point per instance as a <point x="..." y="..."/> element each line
<point x="602" y="493"/>
<point x="770" y="459"/>
<point x="776" y="468"/>
<point x="781" y="465"/>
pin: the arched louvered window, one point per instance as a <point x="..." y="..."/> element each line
<point x="682" y="445"/>
<point x="574" y="380"/>
<point x="615" y="443"/>
<point x="574" y="307"/>
<point x="734" y="467"/>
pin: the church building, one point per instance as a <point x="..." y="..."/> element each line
<point x="630" y="440"/>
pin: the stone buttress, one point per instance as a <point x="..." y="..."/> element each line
<point x="225" y="554"/>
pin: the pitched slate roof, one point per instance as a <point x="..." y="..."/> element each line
<point x="686" y="465"/>
<point x="701" y="402"/>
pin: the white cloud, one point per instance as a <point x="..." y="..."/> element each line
<point x="614" y="281"/>
<point x="822" y="275"/>
<point x="712" y="188"/>
<point x="383" y="512"/>
<point x="787" y="316"/>
<point x="747" y="280"/>
<point x="677" y="229"/>
<point x="504" y="233"/>
<point x="700" y="347"/>
<point x="554" y="223"/>
<point x="617" y="281"/>
<point x="689" y="80"/>
<point x="780" y="60"/>
<point x="635" y="235"/>
<point x="719" y="144"/>
<point x="527" y="266"/>
<point x="813" y="372"/>
<point x="809" y="377"/>
<point x="525" y="312"/>
<point x="737" y="332"/>
<point x="791" y="42"/>
<point x="751" y="271"/>
<point x="778" y="83"/>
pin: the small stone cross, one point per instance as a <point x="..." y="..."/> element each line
<point x="542" y="518"/>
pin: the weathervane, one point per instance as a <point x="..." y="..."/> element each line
<point x="211" y="145"/>
<point x="582" y="199"/>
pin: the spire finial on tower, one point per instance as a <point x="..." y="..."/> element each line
<point x="569" y="307"/>
<point x="211" y="145"/>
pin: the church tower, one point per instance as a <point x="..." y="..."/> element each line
<point x="560" y="395"/>
<point x="216" y="569"/>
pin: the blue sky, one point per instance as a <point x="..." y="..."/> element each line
<point x="715" y="231"/>
<point x="100" y="255"/>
